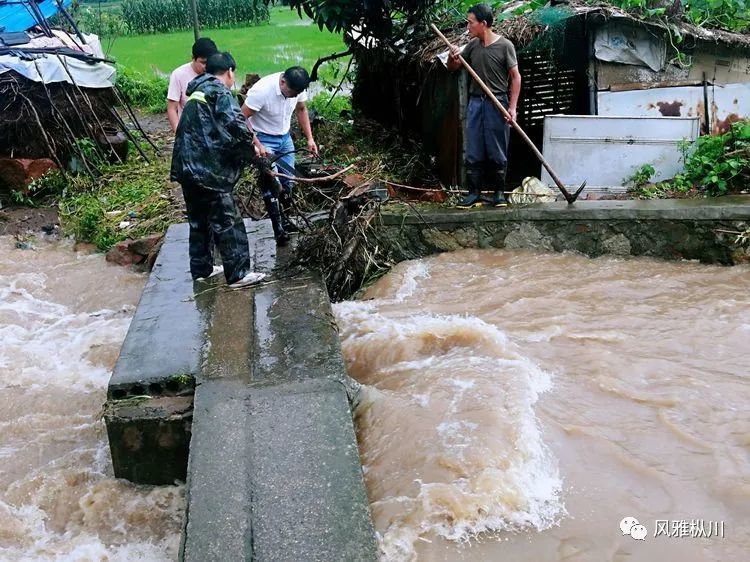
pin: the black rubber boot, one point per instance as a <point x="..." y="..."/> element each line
<point x="274" y="213"/>
<point x="474" y="183"/>
<point x="270" y="189"/>
<point x="497" y="179"/>
<point x="285" y="199"/>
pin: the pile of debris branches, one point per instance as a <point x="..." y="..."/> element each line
<point x="344" y="245"/>
<point x="338" y="199"/>
<point x="335" y="214"/>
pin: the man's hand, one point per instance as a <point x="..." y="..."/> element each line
<point x="260" y="148"/>
<point x="312" y="147"/>
<point x="453" y="58"/>
<point x="513" y="114"/>
<point x="173" y="114"/>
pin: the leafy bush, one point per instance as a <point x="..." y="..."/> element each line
<point x="330" y="107"/>
<point x="43" y="190"/>
<point x="718" y="164"/>
<point x="641" y="176"/>
<point x="714" y="164"/>
<point x="148" y="92"/>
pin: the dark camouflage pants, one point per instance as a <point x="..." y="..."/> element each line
<point x="213" y="216"/>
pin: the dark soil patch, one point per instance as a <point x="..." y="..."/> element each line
<point x="16" y="221"/>
<point x="153" y="123"/>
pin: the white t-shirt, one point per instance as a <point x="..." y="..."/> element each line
<point x="178" y="82"/>
<point x="273" y="112"/>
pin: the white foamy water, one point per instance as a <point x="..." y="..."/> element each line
<point x="450" y="442"/>
<point x="517" y="406"/>
<point x="63" y="317"/>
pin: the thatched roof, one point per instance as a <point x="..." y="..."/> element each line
<point x="522" y="30"/>
<point x="606" y="11"/>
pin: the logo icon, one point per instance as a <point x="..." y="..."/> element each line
<point x="631" y="526"/>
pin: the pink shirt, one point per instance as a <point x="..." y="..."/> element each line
<point x="178" y="82"/>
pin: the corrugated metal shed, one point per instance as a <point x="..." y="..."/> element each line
<point x="719" y="105"/>
<point x="708" y="81"/>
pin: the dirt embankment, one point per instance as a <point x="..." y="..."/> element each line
<point x="21" y="221"/>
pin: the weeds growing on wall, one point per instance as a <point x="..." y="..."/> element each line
<point x="641" y="177"/>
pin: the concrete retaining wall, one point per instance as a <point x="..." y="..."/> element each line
<point x="694" y="229"/>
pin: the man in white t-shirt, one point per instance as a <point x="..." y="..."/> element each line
<point x="269" y="105"/>
<point x="182" y="75"/>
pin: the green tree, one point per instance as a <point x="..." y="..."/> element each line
<point x="368" y="23"/>
<point x="372" y="18"/>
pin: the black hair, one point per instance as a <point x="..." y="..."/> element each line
<point x="219" y="63"/>
<point x="483" y="13"/>
<point x="204" y="48"/>
<point x="297" y="78"/>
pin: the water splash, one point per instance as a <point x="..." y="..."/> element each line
<point x="63" y="318"/>
<point x="448" y="436"/>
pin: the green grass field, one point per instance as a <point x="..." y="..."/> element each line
<point x="285" y="41"/>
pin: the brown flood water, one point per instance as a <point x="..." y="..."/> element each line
<point x="516" y="407"/>
<point x="63" y="317"/>
<point x="519" y="406"/>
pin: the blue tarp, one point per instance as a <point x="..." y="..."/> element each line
<point x="17" y="15"/>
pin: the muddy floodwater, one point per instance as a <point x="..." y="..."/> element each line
<point x="528" y="407"/>
<point x="515" y="407"/>
<point x="63" y="317"/>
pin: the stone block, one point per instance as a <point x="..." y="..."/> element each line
<point x="149" y="438"/>
<point x="617" y="245"/>
<point x="132" y="252"/>
<point x="145" y="246"/>
<point x="17" y="173"/>
<point x="529" y="237"/>
<point x="120" y="254"/>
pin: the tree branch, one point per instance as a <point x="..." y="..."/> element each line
<point x="313" y="180"/>
<point x="314" y="73"/>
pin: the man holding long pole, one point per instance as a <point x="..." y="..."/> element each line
<point x="493" y="58"/>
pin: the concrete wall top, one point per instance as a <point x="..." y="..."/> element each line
<point x="709" y="209"/>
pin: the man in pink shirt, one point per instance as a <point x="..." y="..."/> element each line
<point x="178" y="80"/>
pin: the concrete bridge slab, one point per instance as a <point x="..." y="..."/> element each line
<point x="273" y="470"/>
